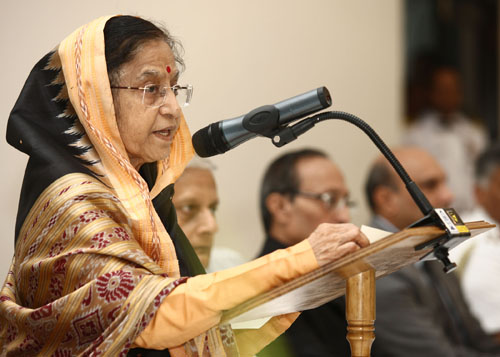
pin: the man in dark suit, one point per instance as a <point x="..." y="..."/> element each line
<point x="299" y="191"/>
<point x="420" y="309"/>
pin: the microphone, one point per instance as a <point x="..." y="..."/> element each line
<point x="219" y="137"/>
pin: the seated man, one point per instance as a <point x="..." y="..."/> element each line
<point x="420" y="309"/>
<point x="480" y="265"/>
<point x="196" y="201"/>
<point x="300" y="190"/>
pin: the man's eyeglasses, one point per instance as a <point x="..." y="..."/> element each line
<point x="154" y="95"/>
<point x="329" y="199"/>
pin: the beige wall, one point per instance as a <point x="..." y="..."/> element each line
<point x="239" y="55"/>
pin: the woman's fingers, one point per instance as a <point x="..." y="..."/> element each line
<point x="333" y="241"/>
<point x="362" y="240"/>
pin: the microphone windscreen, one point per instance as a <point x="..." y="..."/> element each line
<point x="210" y="141"/>
<point x="202" y="143"/>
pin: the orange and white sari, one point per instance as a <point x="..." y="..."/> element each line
<point x="95" y="270"/>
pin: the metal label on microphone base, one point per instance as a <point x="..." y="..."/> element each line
<point x="456" y="233"/>
<point x="452" y="221"/>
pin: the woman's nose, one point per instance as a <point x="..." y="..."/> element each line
<point x="170" y="105"/>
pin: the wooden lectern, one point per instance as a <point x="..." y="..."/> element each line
<point x="353" y="275"/>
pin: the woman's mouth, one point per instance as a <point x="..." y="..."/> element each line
<point x="164" y="134"/>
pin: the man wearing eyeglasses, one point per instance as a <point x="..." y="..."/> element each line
<point x="299" y="191"/>
<point x="421" y="311"/>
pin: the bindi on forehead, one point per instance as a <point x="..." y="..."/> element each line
<point x="154" y="74"/>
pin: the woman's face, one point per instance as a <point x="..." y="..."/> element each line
<point x="147" y="132"/>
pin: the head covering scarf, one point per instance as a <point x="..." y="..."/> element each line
<point x="93" y="259"/>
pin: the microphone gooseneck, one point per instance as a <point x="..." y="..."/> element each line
<point x="448" y="218"/>
<point x="292" y="132"/>
<point x="418" y="196"/>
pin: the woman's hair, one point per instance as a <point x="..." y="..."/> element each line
<point x="123" y="35"/>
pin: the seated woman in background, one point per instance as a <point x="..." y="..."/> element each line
<point x="101" y="266"/>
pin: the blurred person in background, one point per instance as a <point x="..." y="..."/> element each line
<point x="196" y="201"/>
<point x="449" y="135"/>
<point x="421" y="311"/>
<point x="301" y="190"/>
<point x="479" y="258"/>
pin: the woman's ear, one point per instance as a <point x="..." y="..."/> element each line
<point x="279" y="206"/>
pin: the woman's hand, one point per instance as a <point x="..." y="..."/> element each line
<point x="333" y="241"/>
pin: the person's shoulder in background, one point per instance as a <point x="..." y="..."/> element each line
<point x="224" y="258"/>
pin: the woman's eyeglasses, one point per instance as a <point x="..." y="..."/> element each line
<point x="154" y="95"/>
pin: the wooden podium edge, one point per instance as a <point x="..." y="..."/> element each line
<point x="338" y="265"/>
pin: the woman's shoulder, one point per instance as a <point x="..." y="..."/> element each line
<point x="70" y="190"/>
<point x="75" y="183"/>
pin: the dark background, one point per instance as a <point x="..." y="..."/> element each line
<point x="458" y="33"/>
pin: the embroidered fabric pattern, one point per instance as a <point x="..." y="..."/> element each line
<point x="83" y="283"/>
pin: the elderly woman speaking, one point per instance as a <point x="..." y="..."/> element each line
<point x="100" y="265"/>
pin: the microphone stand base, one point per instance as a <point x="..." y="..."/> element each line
<point x="456" y="233"/>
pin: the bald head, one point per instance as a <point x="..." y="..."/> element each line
<point x="388" y="196"/>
